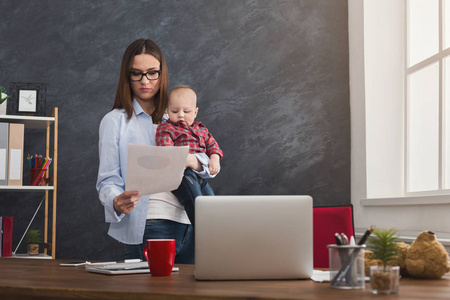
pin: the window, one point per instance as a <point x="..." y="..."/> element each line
<point x="427" y="97"/>
<point x="378" y="62"/>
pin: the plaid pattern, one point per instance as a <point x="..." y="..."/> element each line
<point x="197" y="137"/>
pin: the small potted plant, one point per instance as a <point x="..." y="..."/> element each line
<point x="33" y="240"/>
<point x="384" y="279"/>
<point x="3" y="97"/>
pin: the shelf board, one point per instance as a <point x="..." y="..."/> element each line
<point x="29" y="121"/>
<point x="26" y="256"/>
<point x="25" y="188"/>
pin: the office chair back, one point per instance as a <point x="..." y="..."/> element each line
<point x="328" y="220"/>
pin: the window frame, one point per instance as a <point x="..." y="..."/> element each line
<point x="409" y="70"/>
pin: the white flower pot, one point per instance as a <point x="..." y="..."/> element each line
<point x="3" y="105"/>
<point x="3" y="108"/>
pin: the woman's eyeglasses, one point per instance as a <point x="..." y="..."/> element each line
<point x="150" y="75"/>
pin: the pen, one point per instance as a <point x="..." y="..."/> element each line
<point x="338" y="239"/>
<point x="344" y="239"/>
<point x="341" y="239"/>
<point x="366" y="235"/>
<point x="343" y="271"/>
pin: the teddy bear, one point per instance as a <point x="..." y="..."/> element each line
<point x="400" y="261"/>
<point x="427" y="258"/>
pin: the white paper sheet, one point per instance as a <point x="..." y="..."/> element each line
<point x="320" y="276"/>
<point x="153" y="169"/>
<point x="324" y="276"/>
<point x="15" y="167"/>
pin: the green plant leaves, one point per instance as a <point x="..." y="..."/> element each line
<point x="383" y="245"/>
<point x="3" y="91"/>
<point x="34" y="237"/>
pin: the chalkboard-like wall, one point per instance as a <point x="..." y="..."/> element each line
<point x="271" y="78"/>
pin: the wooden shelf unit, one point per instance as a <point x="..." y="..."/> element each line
<point x="32" y="122"/>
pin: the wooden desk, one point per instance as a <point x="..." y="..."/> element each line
<point x="36" y="279"/>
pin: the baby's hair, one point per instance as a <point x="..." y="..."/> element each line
<point x="182" y="86"/>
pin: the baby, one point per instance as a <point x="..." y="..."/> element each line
<point x="182" y="130"/>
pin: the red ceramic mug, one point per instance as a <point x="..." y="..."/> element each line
<point x="160" y="254"/>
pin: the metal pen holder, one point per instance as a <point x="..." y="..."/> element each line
<point x="347" y="266"/>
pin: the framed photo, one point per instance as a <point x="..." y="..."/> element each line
<point x="27" y="99"/>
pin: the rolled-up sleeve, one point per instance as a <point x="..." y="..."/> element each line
<point x="204" y="161"/>
<point x="110" y="181"/>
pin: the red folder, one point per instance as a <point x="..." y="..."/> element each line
<point x="7" y="236"/>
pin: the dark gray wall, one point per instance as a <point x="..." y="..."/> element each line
<point x="271" y="78"/>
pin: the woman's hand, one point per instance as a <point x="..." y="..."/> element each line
<point x="193" y="163"/>
<point x="126" y="201"/>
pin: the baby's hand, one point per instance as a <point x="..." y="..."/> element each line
<point x="214" y="164"/>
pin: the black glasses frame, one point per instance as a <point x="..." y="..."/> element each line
<point x="145" y="74"/>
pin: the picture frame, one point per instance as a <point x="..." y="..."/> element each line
<point x="27" y="99"/>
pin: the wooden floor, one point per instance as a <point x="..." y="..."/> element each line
<point x="39" y="279"/>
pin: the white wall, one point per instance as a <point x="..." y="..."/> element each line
<point x="376" y="46"/>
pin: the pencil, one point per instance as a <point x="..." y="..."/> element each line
<point x="42" y="172"/>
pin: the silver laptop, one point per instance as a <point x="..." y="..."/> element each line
<point x="253" y="237"/>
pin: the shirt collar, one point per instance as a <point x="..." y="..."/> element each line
<point x="137" y="107"/>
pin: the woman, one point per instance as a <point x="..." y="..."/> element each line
<point x="139" y="106"/>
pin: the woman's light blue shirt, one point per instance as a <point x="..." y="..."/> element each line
<point x="115" y="133"/>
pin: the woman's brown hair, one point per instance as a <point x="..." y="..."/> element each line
<point x="124" y="94"/>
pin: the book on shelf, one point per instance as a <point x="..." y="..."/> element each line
<point x="1" y="234"/>
<point x="4" y="141"/>
<point x="7" y="236"/>
<point x="15" y="163"/>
